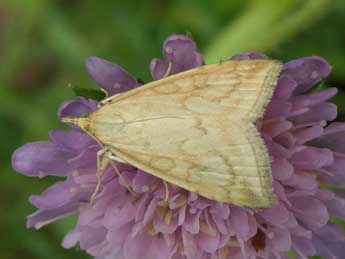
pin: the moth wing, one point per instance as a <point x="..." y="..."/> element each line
<point x="195" y="129"/>
<point x="217" y="157"/>
<point x="240" y="87"/>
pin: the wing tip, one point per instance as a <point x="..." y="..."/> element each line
<point x="269" y="85"/>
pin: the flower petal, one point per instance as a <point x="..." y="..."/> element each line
<point x="77" y="107"/>
<point x="276" y="215"/>
<point x="281" y="239"/>
<point x="306" y="72"/>
<point x="249" y="55"/>
<point x="310" y="211"/>
<point x="42" y="158"/>
<point x="333" y="138"/>
<point x="312" y="158"/>
<point x="72" y="139"/>
<point x="181" y="51"/>
<point x="314" y="98"/>
<point x="136" y="247"/>
<point x="60" y="194"/>
<point x="207" y="243"/>
<point x="95" y="235"/>
<point x="46" y="216"/>
<point x="239" y="222"/>
<point x="111" y="77"/>
<point x="282" y="169"/>
<point x="285" y="87"/>
<point x="316" y="113"/>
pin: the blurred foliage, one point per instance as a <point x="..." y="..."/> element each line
<point x="43" y="45"/>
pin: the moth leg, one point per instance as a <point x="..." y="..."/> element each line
<point x="167" y="194"/>
<point x="115" y="158"/>
<point x="101" y="164"/>
<point x="111" y="158"/>
<point x="168" y="70"/>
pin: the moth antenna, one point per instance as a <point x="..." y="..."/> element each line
<point x="107" y="99"/>
<point x="166" y="191"/>
<point x="106" y="92"/>
<point x="168" y="70"/>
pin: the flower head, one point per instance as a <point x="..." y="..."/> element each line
<point x="306" y="152"/>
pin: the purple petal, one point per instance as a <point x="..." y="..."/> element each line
<point x="192" y="223"/>
<point x="302" y="180"/>
<point x="239" y="222"/>
<point x="74" y="140"/>
<point x="43" y="217"/>
<point x="303" y="247"/>
<point x="76" y="107"/>
<point x="136" y="247"/>
<point x="159" y="249"/>
<point x="275" y="127"/>
<point x="207" y="243"/>
<point x="312" y="158"/>
<point x="276" y="108"/>
<point x="276" y="215"/>
<point x="316" y="113"/>
<point x="304" y="135"/>
<point x="281" y="240"/>
<point x="331" y="233"/>
<point x="94" y="236"/>
<point x="336" y="207"/>
<point x="116" y="217"/>
<point x="41" y="159"/>
<point x="285" y="87"/>
<point x="282" y="169"/>
<point x="314" y="98"/>
<point x="72" y="238"/>
<point x="333" y="138"/>
<point x="306" y="72"/>
<point x="275" y="150"/>
<point x="142" y="181"/>
<point x="310" y="211"/>
<point x="59" y="195"/>
<point x="164" y="227"/>
<point x="181" y="51"/>
<point x="109" y="76"/>
<point x="190" y="245"/>
<point x="335" y="172"/>
<point x="86" y="158"/>
<point x="249" y="55"/>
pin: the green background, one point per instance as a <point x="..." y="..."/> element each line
<point x="43" y="45"/>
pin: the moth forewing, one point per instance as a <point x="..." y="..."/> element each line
<point x="196" y="130"/>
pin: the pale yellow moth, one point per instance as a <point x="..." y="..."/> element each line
<point x="196" y="129"/>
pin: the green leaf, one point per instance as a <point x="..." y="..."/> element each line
<point x="88" y="93"/>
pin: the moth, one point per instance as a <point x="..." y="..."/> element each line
<point x="196" y="129"/>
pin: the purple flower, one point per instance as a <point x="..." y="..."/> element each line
<point x="306" y="151"/>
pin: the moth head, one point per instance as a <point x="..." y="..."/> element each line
<point x="82" y="122"/>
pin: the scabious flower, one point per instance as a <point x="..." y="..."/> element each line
<point x="306" y="150"/>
